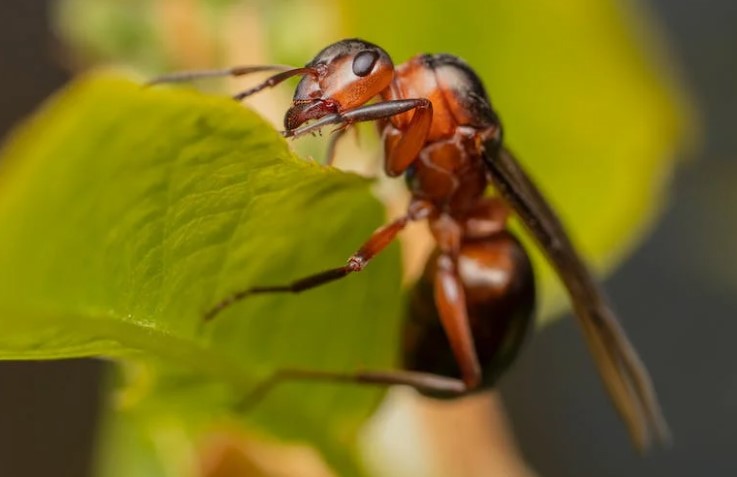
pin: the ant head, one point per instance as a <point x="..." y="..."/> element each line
<point x="345" y="75"/>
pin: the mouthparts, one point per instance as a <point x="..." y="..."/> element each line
<point x="304" y="111"/>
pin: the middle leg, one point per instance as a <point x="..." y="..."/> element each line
<point x="450" y="299"/>
<point x="378" y="241"/>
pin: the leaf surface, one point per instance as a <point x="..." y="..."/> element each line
<point x="127" y="212"/>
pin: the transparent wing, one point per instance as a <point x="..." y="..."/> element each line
<point x="623" y="373"/>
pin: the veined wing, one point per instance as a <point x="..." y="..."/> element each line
<point x="621" y="369"/>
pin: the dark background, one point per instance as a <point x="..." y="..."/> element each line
<point x="560" y="413"/>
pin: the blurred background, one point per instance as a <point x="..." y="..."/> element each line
<point x="676" y="293"/>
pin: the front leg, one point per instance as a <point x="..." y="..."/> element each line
<point x="402" y="148"/>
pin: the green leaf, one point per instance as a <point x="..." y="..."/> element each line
<point x="127" y="211"/>
<point x="586" y="103"/>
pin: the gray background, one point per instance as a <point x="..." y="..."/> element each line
<point x="677" y="296"/>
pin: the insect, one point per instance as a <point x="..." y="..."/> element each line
<point x="473" y="305"/>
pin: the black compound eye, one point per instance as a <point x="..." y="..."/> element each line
<point x="364" y="62"/>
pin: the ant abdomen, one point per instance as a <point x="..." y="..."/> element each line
<point x="499" y="285"/>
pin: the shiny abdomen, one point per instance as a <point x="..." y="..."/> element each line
<point x="499" y="286"/>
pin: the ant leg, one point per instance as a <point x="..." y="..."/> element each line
<point x="403" y="147"/>
<point x="407" y="147"/>
<point x="375" y="244"/>
<point x="423" y="382"/>
<point x="450" y="300"/>
<point x="357" y="262"/>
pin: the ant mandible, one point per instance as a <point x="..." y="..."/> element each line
<point x="475" y="301"/>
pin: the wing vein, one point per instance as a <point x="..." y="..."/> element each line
<point x="622" y="371"/>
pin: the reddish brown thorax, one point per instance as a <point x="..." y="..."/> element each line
<point x="449" y="170"/>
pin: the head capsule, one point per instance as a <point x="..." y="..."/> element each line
<point x="346" y="74"/>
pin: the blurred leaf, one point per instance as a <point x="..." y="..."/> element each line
<point x="126" y="449"/>
<point x="126" y="212"/>
<point x="111" y="30"/>
<point x="587" y="108"/>
<point x="145" y="35"/>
